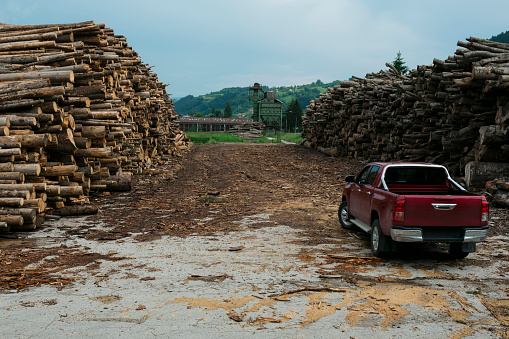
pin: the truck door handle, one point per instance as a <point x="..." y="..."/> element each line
<point x="443" y="207"/>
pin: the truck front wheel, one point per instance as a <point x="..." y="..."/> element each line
<point x="344" y="216"/>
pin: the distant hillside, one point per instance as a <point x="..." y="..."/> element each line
<point x="502" y="37"/>
<point x="239" y="98"/>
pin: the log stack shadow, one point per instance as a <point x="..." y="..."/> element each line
<point x="79" y="112"/>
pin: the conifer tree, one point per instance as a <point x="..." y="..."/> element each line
<point x="293" y="116"/>
<point x="399" y="64"/>
<point x="227" y="110"/>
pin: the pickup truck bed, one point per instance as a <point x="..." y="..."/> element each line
<point x="413" y="202"/>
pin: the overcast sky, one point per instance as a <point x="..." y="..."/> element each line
<point x="200" y="46"/>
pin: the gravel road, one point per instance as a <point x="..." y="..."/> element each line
<point x="242" y="240"/>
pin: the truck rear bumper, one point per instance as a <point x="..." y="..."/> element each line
<point x="438" y="234"/>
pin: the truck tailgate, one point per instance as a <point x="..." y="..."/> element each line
<point x="461" y="211"/>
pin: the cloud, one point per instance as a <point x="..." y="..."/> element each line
<point x="12" y="12"/>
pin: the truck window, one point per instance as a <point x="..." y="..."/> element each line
<point x="363" y="176"/>
<point x="368" y="175"/>
<point x="372" y="175"/>
<point x="414" y="175"/>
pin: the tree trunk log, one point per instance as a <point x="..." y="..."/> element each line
<point x="122" y="183"/>
<point x="45" y="92"/>
<point x="77" y="210"/>
<point x="16" y="194"/>
<point x="31" y="141"/>
<point x="28" y="169"/>
<point x="478" y="173"/>
<point x="54" y="77"/>
<point x="11" y="220"/>
<point x="94" y="152"/>
<point x="54" y="171"/>
<point x="11" y="202"/>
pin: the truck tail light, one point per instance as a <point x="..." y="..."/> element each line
<point x="398" y="212"/>
<point x="485" y="211"/>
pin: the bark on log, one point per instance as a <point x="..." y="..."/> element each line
<point x="16" y="194"/>
<point x="71" y="191"/>
<point x="55" y="171"/>
<point x="15" y="86"/>
<point x="94" y="132"/>
<point x="11" y="202"/>
<point x="53" y="76"/>
<point x="11" y="220"/>
<point x="31" y="141"/>
<point x="94" y="152"/>
<point x="28" y="169"/>
<point x="7" y="167"/>
<point x="45" y="92"/>
<point x="478" y="173"/>
<point x="19" y="177"/>
<point x="77" y="210"/>
<point x="29" y="215"/>
<point x="37" y="204"/>
<point x="66" y="142"/>
<point x="10" y="151"/>
<point x="12" y="46"/>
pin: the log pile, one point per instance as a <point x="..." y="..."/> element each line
<point x="497" y="191"/>
<point x="453" y="112"/>
<point x="249" y="131"/>
<point x="79" y="112"/>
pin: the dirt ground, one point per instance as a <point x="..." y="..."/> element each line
<point x="220" y="190"/>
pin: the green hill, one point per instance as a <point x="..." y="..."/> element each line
<point x="502" y="37"/>
<point x="239" y="98"/>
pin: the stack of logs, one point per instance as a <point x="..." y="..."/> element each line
<point x="497" y="191"/>
<point x="79" y="112"/>
<point x="249" y="131"/>
<point x="454" y="112"/>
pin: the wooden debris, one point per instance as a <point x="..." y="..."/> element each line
<point x="309" y="289"/>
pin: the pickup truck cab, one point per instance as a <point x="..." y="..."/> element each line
<point x="413" y="202"/>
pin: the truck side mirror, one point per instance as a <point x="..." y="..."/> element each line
<point x="350" y="178"/>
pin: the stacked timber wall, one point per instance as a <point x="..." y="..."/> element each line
<point x="455" y="112"/>
<point x="79" y="112"/>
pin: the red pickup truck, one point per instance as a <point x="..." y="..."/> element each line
<point x="413" y="202"/>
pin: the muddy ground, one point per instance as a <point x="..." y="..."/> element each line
<point x="242" y="239"/>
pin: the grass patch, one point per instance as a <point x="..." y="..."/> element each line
<point x="263" y="140"/>
<point x="211" y="200"/>
<point x="209" y="138"/>
<point x="217" y="137"/>
<point x="291" y="137"/>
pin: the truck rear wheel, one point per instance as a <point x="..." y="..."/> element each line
<point x="380" y="244"/>
<point x="344" y="216"/>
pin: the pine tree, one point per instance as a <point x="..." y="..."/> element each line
<point x="399" y="64"/>
<point x="213" y="112"/>
<point x="293" y="116"/>
<point x="227" y="110"/>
